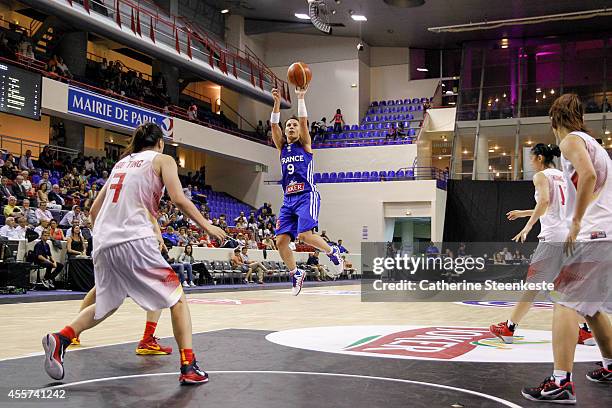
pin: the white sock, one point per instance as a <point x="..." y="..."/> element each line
<point x="511" y="325"/>
<point x="607" y="363"/>
<point x="560" y="375"/>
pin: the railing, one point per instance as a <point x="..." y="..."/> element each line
<point x="9" y="25"/>
<point x="198" y="96"/>
<point x="243" y="120"/>
<point x="188" y="39"/>
<point x="35" y="147"/>
<point x="124" y="67"/>
<point x="173" y="110"/>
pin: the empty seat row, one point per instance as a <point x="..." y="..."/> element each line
<point x="367" y="134"/>
<point x="400" y="101"/>
<point x="383" y="118"/>
<point x="365" y="176"/>
<point x="363" y="143"/>
<point x="395" y="109"/>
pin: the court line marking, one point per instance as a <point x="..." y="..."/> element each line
<point x="42" y="353"/>
<point x="310" y="373"/>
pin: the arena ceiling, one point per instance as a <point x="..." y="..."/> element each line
<point x="394" y="26"/>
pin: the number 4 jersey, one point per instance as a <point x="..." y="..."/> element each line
<point x="133" y="191"/>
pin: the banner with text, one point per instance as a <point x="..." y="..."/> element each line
<point x="114" y="112"/>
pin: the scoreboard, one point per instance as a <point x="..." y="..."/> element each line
<point x="20" y="91"/>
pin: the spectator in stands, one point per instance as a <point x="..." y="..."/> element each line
<point x="313" y="264"/>
<point x="348" y="267"/>
<point x="62" y="68"/>
<point x="55" y="232"/>
<point x="260" y="129"/>
<point x="192" y="112"/>
<point x="42" y="213"/>
<point x="240" y="239"/>
<point x="222" y="222"/>
<point x="43" y="193"/>
<point x="426" y="106"/>
<point x="45" y="180"/>
<point x="392" y="134"/>
<point x="204" y="241"/>
<point x="338" y="121"/>
<point x="9" y="229"/>
<point x="45" y="159"/>
<point x="269" y="242"/>
<point x="8" y="168"/>
<point x="27" y="184"/>
<point x="238" y="263"/>
<point x="6" y="50"/>
<point x="25" y="162"/>
<point x="432" y="250"/>
<point x="242" y="223"/>
<point x="29" y="213"/>
<point x="253" y="266"/>
<point x="187" y="259"/>
<point x="22" y="227"/>
<point x="341" y="248"/>
<point x="251" y="244"/>
<point x="18" y="188"/>
<point x="507" y="255"/>
<point x="56" y="197"/>
<point x="11" y="209"/>
<point x="43" y="225"/>
<point x="268" y="130"/>
<point x="325" y="237"/>
<point x="102" y="180"/>
<point x="171" y="236"/>
<point x="90" y="166"/>
<point x="76" y="244"/>
<point x="42" y="253"/>
<point x="5" y="191"/>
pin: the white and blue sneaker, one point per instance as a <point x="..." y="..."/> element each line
<point x="297" y="279"/>
<point x="336" y="259"/>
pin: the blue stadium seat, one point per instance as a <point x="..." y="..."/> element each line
<point x="382" y="103"/>
<point x="382" y="174"/>
<point x="415" y="100"/>
<point x="406" y="101"/>
<point x="390" y="103"/>
<point x="411" y="108"/>
<point x="348" y="177"/>
<point x="354" y="127"/>
<point x="374" y="176"/>
<point x="330" y="128"/>
<point x="385" y="110"/>
<point x="423" y="100"/>
<point x="357" y="176"/>
<point x="333" y="177"/>
<point x="325" y="178"/>
<point x="400" y="174"/>
<point x="375" y="103"/>
<point x="363" y="127"/>
<point x="368" y="119"/>
<point x="346" y="127"/>
<point x="398" y="101"/>
<point x="341" y="177"/>
<point x="420" y="107"/>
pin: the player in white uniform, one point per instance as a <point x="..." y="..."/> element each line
<point x="127" y="260"/>
<point x="584" y="282"/>
<point x="550" y="196"/>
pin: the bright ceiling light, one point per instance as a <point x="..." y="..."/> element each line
<point x="359" y="17"/>
<point x="465" y="152"/>
<point x="607" y="132"/>
<point x="422" y="70"/>
<point x="224" y="11"/>
<point x="302" y="16"/>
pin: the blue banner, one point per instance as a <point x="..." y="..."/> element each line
<point x="112" y="111"/>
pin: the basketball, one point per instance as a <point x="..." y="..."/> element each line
<point x="299" y="74"/>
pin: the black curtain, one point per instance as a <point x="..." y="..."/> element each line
<point x="476" y="210"/>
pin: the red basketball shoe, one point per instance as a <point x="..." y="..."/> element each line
<point x="502" y="331"/>
<point x="150" y="346"/>
<point x="192" y="374"/>
<point x="586" y="337"/>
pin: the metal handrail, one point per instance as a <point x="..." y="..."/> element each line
<point x="97" y="58"/>
<point x="31" y="145"/>
<point x="188" y="39"/>
<point x="242" y="118"/>
<point x="197" y="95"/>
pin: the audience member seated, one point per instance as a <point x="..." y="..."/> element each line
<point x="76" y="244"/>
<point x="5" y="190"/>
<point x="42" y="256"/>
<point x="187" y="259"/>
<point x="313" y="264"/>
<point x="72" y="217"/>
<point x="55" y="232"/>
<point x="269" y="242"/>
<point x="11" y="209"/>
<point x="44" y="225"/>
<point x="29" y="213"/>
<point x="45" y="159"/>
<point x="25" y="162"/>
<point x="43" y="194"/>
<point x="9" y="230"/>
<point x="348" y="267"/>
<point x="42" y="213"/>
<point x="45" y="180"/>
<point x="238" y="263"/>
<point x="20" y="191"/>
<point x="55" y="196"/>
<point x="252" y="266"/>
<point x="22" y="227"/>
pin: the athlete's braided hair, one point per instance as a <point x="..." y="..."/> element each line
<point x="547" y="151"/>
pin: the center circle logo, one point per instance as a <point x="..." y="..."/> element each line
<point x="439" y="343"/>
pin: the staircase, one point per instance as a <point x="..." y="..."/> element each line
<point x="47" y="37"/>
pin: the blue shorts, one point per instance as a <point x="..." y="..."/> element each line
<point x="299" y="213"/>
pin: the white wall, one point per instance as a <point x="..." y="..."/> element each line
<point x="283" y="49"/>
<point x="365" y="158"/>
<point x="364" y="89"/>
<point x="330" y="89"/>
<point x="347" y="207"/>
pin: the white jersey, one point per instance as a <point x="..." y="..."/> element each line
<point x="553" y="227"/>
<point x="133" y="191"/>
<point x="597" y="220"/>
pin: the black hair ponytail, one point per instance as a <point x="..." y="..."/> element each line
<point x="145" y="135"/>
<point x="548" y="152"/>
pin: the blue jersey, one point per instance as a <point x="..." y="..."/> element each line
<point x="298" y="169"/>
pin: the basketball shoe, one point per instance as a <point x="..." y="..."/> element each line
<point x="336" y="259"/>
<point x="601" y="375"/>
<point x="192" y="374"/>
<point x="55" y="346"/>
<point x="75" y="342"/>
<point x="150" y="346"/>
<point x="297" y="280"/>
<point x="503" y="332"/>
<point x="549" y="391"/>
<point x="586" y="337"/>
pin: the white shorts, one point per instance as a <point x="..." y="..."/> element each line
<point x="585" y="281"/>
<point x="135" y="269"/>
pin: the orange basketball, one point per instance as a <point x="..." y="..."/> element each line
<point x="299" y="74"/>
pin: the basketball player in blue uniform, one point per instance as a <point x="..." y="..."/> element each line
<point x="299" y="213"/>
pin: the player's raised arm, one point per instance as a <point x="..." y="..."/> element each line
<point x="305" y="139"/>
<point x="277" y="132"/>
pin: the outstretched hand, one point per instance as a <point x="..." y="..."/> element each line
<point x="276" y="96"/>
<point x="300" y="92"/>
